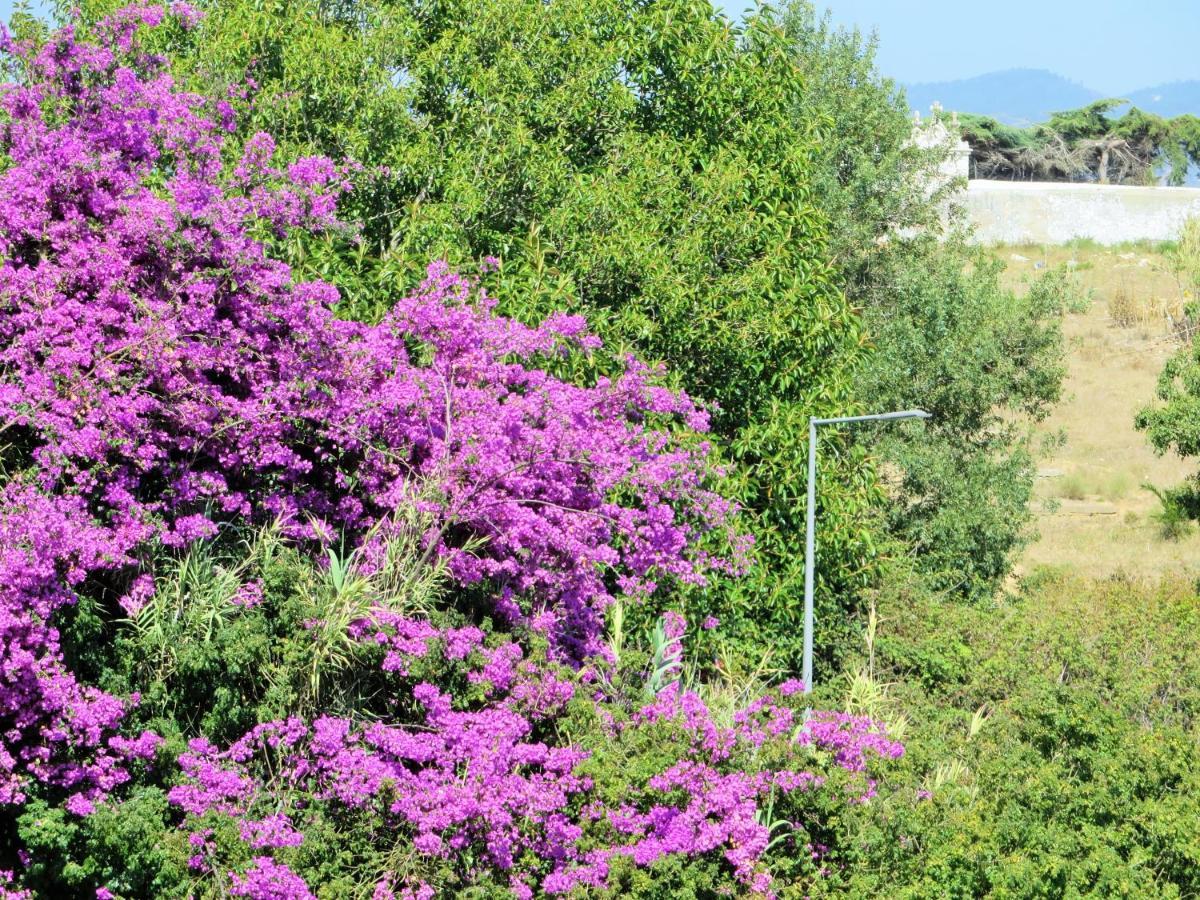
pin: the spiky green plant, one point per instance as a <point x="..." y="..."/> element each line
<point x="391" y="570"/>
<point x="1171" y="516"/>
<point x="193" y="597"/>
<point x="666" y="667"/>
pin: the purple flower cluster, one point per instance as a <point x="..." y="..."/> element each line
<point x="850" y="738"/>
<point x="48" y="545"/>
<point x="268" y="880"/>
<point x="161" y="373"/>
<point x="473" y="781"/>
<point x="8" y="891"/>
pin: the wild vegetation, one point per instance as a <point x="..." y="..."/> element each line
<point x="638" y="164"/>
<point x="1086" y="144"/>
<point x="405" y="415"/>
<point x="724" y="221"/>
<point x="1051" y="747"/>
<point x="170" y="385"/>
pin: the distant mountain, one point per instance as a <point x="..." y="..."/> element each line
<point x="1028" y="96"/>
<point x="1168" y="100"/>
<point x="1014" y="96"/>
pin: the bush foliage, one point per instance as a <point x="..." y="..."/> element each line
<point x="1052" y="747"/>
<point x="330" y="571"/>
<point x="645" y="165"/>
<point x="403" y="685"/>
<point x="985" y="362"/>
<point x="718" y="199"/>
<point x="1172" y="422"/>
<point x="945" y="334"/>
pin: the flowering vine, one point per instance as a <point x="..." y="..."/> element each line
<point x="161" y="373"/>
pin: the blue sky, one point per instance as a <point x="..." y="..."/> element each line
<point x="6" y="7"/>
<point x="1112" y="46"/>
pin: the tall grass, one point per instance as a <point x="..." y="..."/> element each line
<point x="193" y="598"/>
<point x="309" y="607"/>
<point x="390" y="571"/>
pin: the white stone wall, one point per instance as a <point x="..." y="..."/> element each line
<point x="1049" y="213"/>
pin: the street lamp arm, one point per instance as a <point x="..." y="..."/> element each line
<point x="878" y="417"/>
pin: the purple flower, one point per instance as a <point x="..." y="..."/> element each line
<point x="249" y="595"/>
<point x="269" y="880"/>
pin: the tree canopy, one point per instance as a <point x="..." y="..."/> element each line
<point x="1088" y="144"/>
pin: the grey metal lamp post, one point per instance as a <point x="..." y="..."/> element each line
<point x="810" y="531"/>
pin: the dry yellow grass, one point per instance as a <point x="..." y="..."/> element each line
<point x="1093" y="514"/>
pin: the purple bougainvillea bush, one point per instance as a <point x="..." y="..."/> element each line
<point x="163" y="377"/>
<point x="482" y="796"/>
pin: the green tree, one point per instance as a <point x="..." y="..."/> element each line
<point x="871" y="180"/>
<point x="1172" y="422"/>
<point x="945" y="334"/>
<point x="1087" y="144"/>
<point x="985" y="362"/>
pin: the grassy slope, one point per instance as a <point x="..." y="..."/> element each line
<point x="1095" y="517"/>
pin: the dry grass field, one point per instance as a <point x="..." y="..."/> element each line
<point x="1093" y="511"/>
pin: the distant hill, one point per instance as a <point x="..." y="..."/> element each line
<point x="1168" y="100"/>
<point x="1028" y="96"/>
<point x="1014" y="96"/>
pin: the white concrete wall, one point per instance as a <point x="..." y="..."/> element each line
<point x="1048" y="213"/>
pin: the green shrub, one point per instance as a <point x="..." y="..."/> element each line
<point x="1172" y="517"/>
<point x="133" y="848"/>
<point x="1173" y="422"/>
<point x="1056" y="758"/>
<point x="986" y="363"/>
